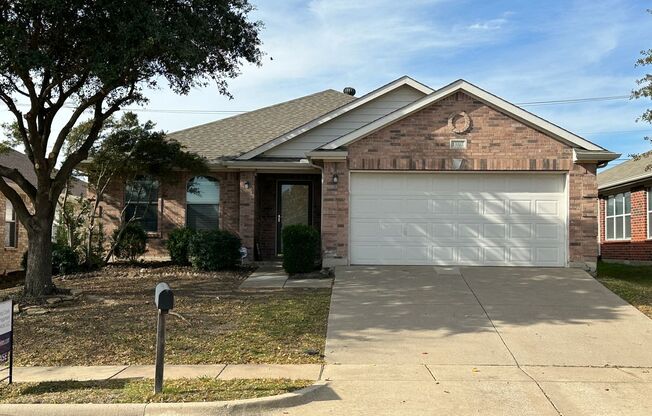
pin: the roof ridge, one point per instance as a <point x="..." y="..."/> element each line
<point x="257" y="110"/>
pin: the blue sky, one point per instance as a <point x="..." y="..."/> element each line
<point x="522" y="51"/>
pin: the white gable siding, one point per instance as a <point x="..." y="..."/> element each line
<point x="346" y="123"/>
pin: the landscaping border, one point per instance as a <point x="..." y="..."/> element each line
<point x="223" y="408"/>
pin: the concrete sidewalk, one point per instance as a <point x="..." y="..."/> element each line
<point x="272" y="276"/>
<point x="219" y="371"/>
<point x="461" y="390"/>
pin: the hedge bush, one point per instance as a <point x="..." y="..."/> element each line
<point x="301" y="248"/>
<point x="214" y="250"/>
<point x="178" y="245"/>
<point x="65" y="260"/>
<point x="131" y="243"/>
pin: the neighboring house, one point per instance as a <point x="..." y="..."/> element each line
<point x="626" y="211"/>
<point x="402" y="175"/>
<point x="12" y="234"/>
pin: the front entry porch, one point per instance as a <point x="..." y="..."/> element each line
<point x="283" y="199"/>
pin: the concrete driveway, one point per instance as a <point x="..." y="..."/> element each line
<point x="482" y="316"/>
<point x="482" y="340"/>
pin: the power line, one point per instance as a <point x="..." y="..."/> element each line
<point x="208" y="112"/>
<point x="574" y="100"/>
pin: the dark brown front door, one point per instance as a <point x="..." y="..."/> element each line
<point x="294" y="206"/>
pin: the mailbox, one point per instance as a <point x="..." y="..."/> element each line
<point x="163" y="297"/>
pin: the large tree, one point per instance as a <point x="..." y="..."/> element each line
<point x="64" y="59"/>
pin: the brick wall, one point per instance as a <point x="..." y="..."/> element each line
<point x="638" y="248"/>
<point x="172" y="208"/>
<point x="495" y="142"/>
<point x="10" y="257"/>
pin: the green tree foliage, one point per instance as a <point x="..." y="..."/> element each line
<point x="95" y="57"/>
<point x="644" y="89"/>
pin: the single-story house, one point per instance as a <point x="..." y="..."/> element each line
<point x="403" y="175"/>
<point x="626" y="211"/>
<point x="12" y="234"/>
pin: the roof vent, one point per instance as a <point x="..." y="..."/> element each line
<point x="349" y="91"/>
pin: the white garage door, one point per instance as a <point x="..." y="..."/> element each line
<point x="458" y="219"/>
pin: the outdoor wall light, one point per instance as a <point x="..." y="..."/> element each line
<point x="335" y="178"/>
<point x="247" y="185"/>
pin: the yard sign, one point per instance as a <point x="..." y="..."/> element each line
<point x="6" y="338"/>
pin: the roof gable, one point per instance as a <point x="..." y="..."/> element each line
<point x="491" y="100"/>
<point x="346" y="108"/>
<point x="230" y="137"/>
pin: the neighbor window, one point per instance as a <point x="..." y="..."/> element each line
<point x="141" y="200"/>
<point x="11" y="230"/>
<point x="618" y="217"/>
<point x="203" y="203"/>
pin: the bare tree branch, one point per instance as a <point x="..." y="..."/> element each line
<point x="18" y="203"/>
<point x="20" y="180"/>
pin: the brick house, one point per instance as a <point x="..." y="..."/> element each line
<point x="405" y="174"/>
<point x="625" y="193"/>
<point x="12" y="234"/>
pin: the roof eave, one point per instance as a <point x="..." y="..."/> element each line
<point x="623" y="182"/>
<point x="405" y="80"/>
<point x="594" y="156"/>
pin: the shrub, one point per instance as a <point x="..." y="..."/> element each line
<point x="131" y="243"/>
<point x="214" y="250"/>
<point x="178" y="245"/>
<point x="65" y="259"/>
<point x="301" y="248"/>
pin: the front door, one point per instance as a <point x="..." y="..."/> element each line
<point x="294" y="206"/>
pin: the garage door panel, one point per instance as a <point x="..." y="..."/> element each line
<point x="444" y="219"/>
<point x="547" y="208"/>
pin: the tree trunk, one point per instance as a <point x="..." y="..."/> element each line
<point x="38" y="277"/>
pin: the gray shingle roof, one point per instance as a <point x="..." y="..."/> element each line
<point x="233" y="136"/>
<point x="14" y="159"/>
<point x="634" y="169"/>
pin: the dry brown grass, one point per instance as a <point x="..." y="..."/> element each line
<point x="114" y="322"/>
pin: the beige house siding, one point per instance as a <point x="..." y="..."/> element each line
<point x="346" y="123"/>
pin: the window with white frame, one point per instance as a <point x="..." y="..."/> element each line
<point x="203" y="203"/>
<point x="618" y="224"/>
<point x="11" y="229"/>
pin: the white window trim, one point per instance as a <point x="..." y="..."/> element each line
<point x="13" y="221"/>
<point x="607" y="217"/>
<point x="219" y="200"/>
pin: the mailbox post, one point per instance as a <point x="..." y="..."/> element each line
<point x="164" y="299"/>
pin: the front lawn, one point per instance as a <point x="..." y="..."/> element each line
<point x="142" y="391"/>
<point x="632" y="283"/>
<point x="114" y="321"/>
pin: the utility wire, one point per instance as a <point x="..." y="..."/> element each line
<point x="524" y="104"/>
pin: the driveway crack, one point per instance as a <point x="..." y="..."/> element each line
<point x="507" y="347"/>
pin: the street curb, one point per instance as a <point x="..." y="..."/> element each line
<point x="224" y="408"/>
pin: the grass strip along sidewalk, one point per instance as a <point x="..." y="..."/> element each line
<point x="142" y="391"/>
